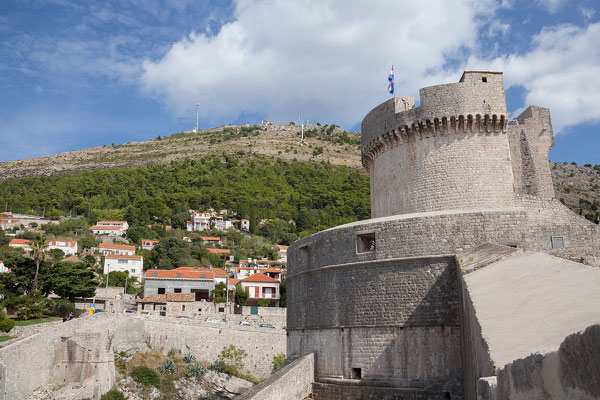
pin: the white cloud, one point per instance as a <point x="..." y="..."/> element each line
<point x="561" y="72"/>
<point x="551" y="6"/>
<point x="327" y="60"/>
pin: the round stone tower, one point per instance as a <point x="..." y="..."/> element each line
<point x="450" y="153"/>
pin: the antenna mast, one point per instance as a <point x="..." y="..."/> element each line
<point x="197" y="111"/>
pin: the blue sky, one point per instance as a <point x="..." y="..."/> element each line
<point x="77" y="74"/>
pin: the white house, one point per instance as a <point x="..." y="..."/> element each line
<point x="118" y="249"/>
<point x="8" y="223"/>
<point x="148" y="244"/>
<point x="131" y="263"/>
<point x="261" y="287"/>
<point x="69" y="247"/>
<point x="245" y="225"/>
<point x="111" y="228"/>
<point x="223" y="225"/>
<point x="200" y="221"/>
<point x="282" y="252"/>
<point x="24" y="244"/>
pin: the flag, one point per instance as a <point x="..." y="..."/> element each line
<point x="391" y="79"/>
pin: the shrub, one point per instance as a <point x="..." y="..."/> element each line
<point x="194" y="370"/>
<point x="63" y="307"/>
<point x="6" y="324"/>
<point x="232" y="359"/>
<point x="167" y="367"/>
<point x="217" y="366"/>
<point x="189" y="358"/>
<point x="112" y="395"/>
<point x="278" y="359"/>
<point x="172" y="353"/>
<point x="263" y="303"/>
<point x="241" y="296"/>
<point x="145" y="376"/>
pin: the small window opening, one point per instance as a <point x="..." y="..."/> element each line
<point x="178" y="275"/>
<point x="558" y="242"/>
<point x="484" y="79"/>
<point x="221" y="309"/>
<point x="356" y="373"/>
<point x="161" y="290"/>
<point x="365" y="242"/>
<point x="154" y="274"/>
<point x="304" y="254"/>
<point x="447" y="396"/>
<point x="177" y="290"/>
<point x="183" y="307"/>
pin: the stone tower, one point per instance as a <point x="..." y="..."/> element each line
<point x="378" y="301"/>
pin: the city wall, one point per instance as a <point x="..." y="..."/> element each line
<point x="74" y="351"/>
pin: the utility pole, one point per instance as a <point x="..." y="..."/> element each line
<point x="302" y="141"/>
<point x="106" y="294"/>
<point x="226" y="296"/>
<point x="126" y="278"/>
<point x="197" y="112"/>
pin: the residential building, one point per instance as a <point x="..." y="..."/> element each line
<point x="214" y="240"/>
<point x="221" y="252"/>
<point x="282" y="252"/>
<point x="3" y="268"/>
<point x="200" y="221"/>
<point x="117" y="249"/>
<point x="9" y="223"/>
<point x="148" y="244"/>
<point x="111" y="228"/>
<point x="180" y="280"/>
<point x="24" y="244"/>
<point x="130" y="263"/>
<point x="222" y="224"/>
<point x="69" y="247"/>
<point x="261" y="287"/>
<point x="245" y="225"/>
<point x="252" y="266"/>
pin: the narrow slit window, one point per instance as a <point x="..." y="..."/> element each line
<point x="484" y="79"/>
<point x="304" y="255"/>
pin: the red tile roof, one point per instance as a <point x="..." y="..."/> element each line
<point x="234" y="281"/>
<point x="124" y="257"/>
<point x="184" y="272"/>
<point x="259" y="278"/>
<point x="145" y="241"/>
<point x="112" y="222"/>
<point x="218" y="251"/>
<point x="20" y="241"/>
<point x="105" y="227"/>
<point x="9" y="221"/>
<point x="218" y="272"/>
<point x="116" y="246"/>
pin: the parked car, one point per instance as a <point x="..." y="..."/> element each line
<point x="215" y="321"/>
<point x="245" y="323"/>
<point x="147" y="313"/>
<point x="183" y="317"/>
<point x="267" y="326"/>
<point x="130" y="312"/>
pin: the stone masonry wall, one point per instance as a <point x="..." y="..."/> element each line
<point x="443" y="172"/>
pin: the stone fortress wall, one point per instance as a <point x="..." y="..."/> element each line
<point x="378" y="301"/>
<point x="82" y="351"/>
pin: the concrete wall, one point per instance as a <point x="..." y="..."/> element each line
<point x="292" y="382"/>
<point x="571" y="372"/>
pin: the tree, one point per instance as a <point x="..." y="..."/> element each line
<point x="241" y="296"/>
<point x="64" y="307"/>
<point x="33" y="305"/>
<point x="232" y="359"/>
<point x="38" y="254"/>
<point x="278" y="359"/>
<point x="71" y="280"/>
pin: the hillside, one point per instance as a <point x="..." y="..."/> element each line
<point x="338" y="147"/>
<point x="578" y="187"/>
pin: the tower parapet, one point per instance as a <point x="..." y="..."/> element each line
<point x="451" y="152"/>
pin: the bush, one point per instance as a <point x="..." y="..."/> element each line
<point x="34" y="305"/>
<point x="241" y="296"/>
<point x="278" y="359"/>
<point x="263" y="303"/>
<point x="112" y="395"/>
<point x="217" y="366"/>
<point x="145" y="376"/>
<point x="167" y="367"/>
<point x="232" y="359"/>
<point x="6" y="324"/>
<point x="63" y="307"/>
<point x="189" y="358"/>
<point x="194" y="370"/>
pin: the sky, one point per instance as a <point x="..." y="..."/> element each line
<point x="78" y="74"/>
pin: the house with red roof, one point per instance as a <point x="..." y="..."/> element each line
<point x="148" y="244"/>
<point x="9" y="223"/>
<point x="116" y="249"/>
<point x="261" y="287"/>
<point x="110" y="228"/>
<point x="69" y="247"/>
<point x="24" y="244"/>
